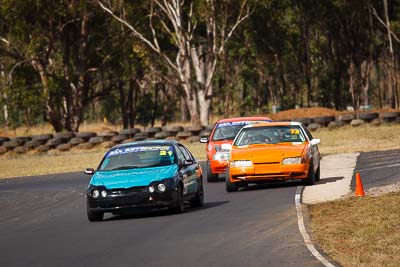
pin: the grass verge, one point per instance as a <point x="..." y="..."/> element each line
<point x="359" y="231"/>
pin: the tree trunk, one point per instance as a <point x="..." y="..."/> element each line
<point x="53" y="115"/>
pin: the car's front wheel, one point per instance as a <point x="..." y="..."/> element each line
<point x="94" y="216"/>
<point x="179" y="205"/>
<point x="311" y="175"/>
<point x="198" y="200"/>
<point x="230" y="187"/>
<point x="211" y="177"/>
<point x="318" y="174"/>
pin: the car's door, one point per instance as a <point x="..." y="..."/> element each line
<point x="191" y="170"/>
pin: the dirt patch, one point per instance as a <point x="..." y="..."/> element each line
<point x="377" y="191"/>
<point x="304" y="113"/>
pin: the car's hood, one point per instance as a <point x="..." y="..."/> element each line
<point x="132" y="177"/>
<point x="264" y="153"/>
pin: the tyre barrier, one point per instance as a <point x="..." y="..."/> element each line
<point x="85" y="135"/>
<point x="389" y="116"/>
<point x="130" y="131"/>
<point x="195" y="130"/>
<point x="152" y="131"/>
<point x="119" y="138"/>
<point x="141" y="136"/>
<point x="323" y="120"/>
<point x="64" y="147"/>
<point x="184" y="135"/>
<point x="21" y="150"/>
<point x="33" y="144"/>
<point x="96" y="140"/>
<point x="42" y="138"/>
<point x="161" y="135"/>
<point x="172" y="130"/>
<point x="54" y="142"/>
<point x="43" y="148"/>
<point x="314" y="126"/>
<point x="20" y="140"/>
<point x="205" y="133"/>
<point x="87" y="140"/>
<point x="347" y="118"/>
<point x="107" y="135"/>
<point x="10" y="145"/>
<point x="3" y="139"/>
<point x="367" y="116"/>
<point x="76" y="141"/>
<point x="65" y="136"/>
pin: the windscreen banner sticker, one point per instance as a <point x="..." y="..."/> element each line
<point x="239" y="123"/>
<point x="164" y="150"/>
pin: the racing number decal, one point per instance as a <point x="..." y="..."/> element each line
<point x="294" y="131"/>
<point x="163" y="153"/>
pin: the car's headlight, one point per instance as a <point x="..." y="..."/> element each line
<point x="161" y="187"/>
<point x="242" y="163"/>
<point x="295" y="160"/>
<point x="95" y="193"/>
<point x="151" y="189"/>
<point x="104" y="193"/>
<point x="221" y="156"/>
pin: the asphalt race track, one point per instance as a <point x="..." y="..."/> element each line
<point x="43" y="223"/>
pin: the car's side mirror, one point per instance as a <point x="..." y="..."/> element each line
<point x="204" y="140"/>
<point x="185" y="163"/>
<point x="89" y="171"/>
<point x="315" y="142"/>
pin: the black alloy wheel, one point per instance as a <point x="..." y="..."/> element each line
<point x="230" y="187"/>
<point x="198" y="200"/>
<point x="94" y="216"/>
<point x="211" y="177"/>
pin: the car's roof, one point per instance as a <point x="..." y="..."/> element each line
<point x="276" y="123"/>
<point x="244" y="119"/>
<point x="147" y="142"/>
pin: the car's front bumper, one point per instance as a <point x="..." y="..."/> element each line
<point x="268" y="172"/>
<point x="115" y="204"/>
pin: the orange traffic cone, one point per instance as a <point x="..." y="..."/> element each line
<point x="359" y="187"/>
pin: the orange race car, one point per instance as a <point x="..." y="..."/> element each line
<point x="276" y="151"/>
<point x="220" y="141"/>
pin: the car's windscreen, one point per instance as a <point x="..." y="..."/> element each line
<point x="142" y="156"/>
<point x="228" y="130"/>
<point x="270" y="135"/>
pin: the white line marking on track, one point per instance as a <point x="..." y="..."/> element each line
<point x="303" y="231"/>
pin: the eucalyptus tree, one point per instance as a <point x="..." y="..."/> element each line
<point x="198" y="32"/>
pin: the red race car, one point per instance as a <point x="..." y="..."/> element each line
<point x="218" y="144"/>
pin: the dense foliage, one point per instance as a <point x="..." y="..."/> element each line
<point x="66" y="61"/>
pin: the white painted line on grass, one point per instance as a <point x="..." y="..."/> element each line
<point x="303" y="231"/>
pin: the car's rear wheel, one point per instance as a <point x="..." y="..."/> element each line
<point x="311" y="175"/>
<point x="198" y="200"/>
<point x="95" y="216"/>
<point x="230" y="187"/>
<point x="211" y="177"/>
<point x="179" y="206"/>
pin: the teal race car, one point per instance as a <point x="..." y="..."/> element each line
<point x="145" y="174"/>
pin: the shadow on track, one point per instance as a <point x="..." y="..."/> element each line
<point x="146" y="213"/>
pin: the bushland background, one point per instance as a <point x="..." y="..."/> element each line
<point x="138" y="62"/>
